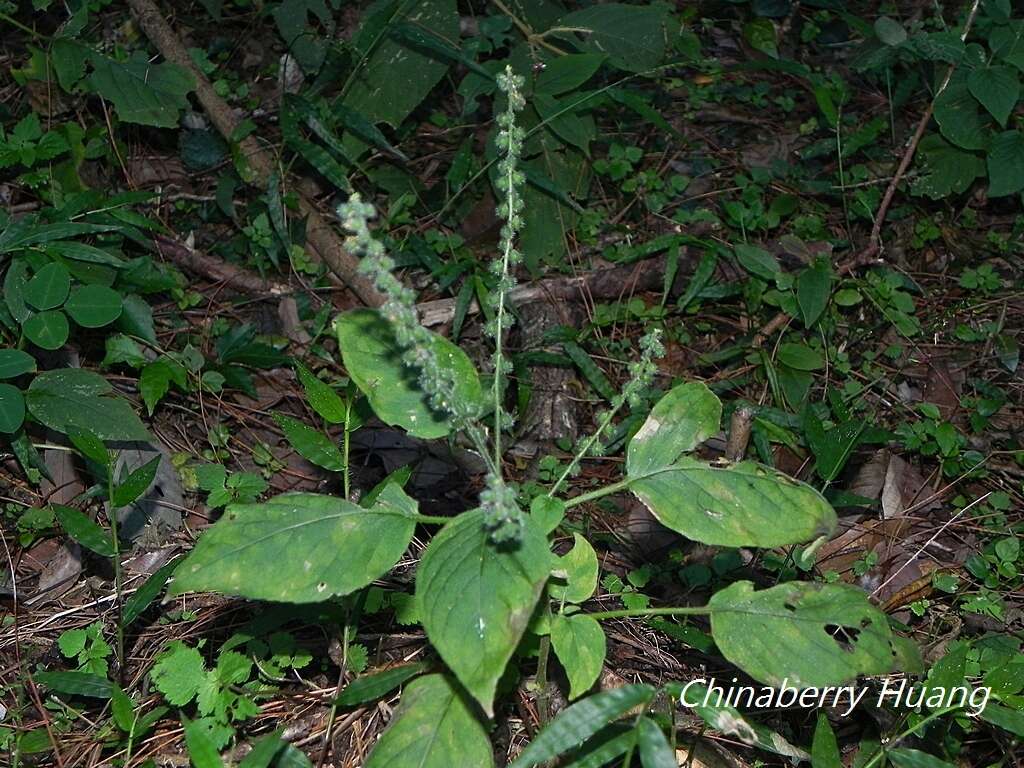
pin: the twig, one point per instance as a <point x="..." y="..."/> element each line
<point x="239" y="278"/>
<point x="321" y="236"/>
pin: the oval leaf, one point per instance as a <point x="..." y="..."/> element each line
<point x="370" y="687"/>
<point x="93" y="306"/>
<point x="685" y="417"/>
<point x="84" y="530"/>
<point x="72" y="399"/>
<point x="739" y="505"/>
<point x="14" y="362"/>
<point x="433" y="724"/>
<point x="805" y="634"/>
<point x="312" y="444"/>
<point x="373" y="359"/>
<point x="580" y="645"/>
<point x="49" y="287"/>
<point x="476" y="599"/>
<point x="579" y="566"/>
<point x="48" y="330"/>
<point x="299" y="548"/>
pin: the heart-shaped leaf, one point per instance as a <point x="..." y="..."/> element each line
<point x="806" y="634"/>
<point x="299" y="548"/>
<point x="373" y="359"/>
<point x="476" y="599"/>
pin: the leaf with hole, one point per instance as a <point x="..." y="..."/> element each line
<point x="93" y="306"/>
<point x="299" y="548"/>
<point x="578" y="722"/>
<point x="580" y="645"/>
<point x="807" y="634"/>
<point x="70" y="398"/>
<point x="374" y="361"/>
<point x="476" y="599"/>
<point x="435" y="722"/>
<point x="48" y="287"/>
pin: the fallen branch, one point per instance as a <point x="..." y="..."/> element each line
<point x="218" y="270"/>
<point x="325" y="242"/>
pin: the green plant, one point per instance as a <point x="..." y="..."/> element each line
<point x="488" y="578"/>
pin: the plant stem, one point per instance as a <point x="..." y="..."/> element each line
<point x="882" y="748"/>
<point x="118" y="576"/>
<point x="345" y="478"/>
<point x="626" y="613"/>
<point x="598" y="493"/>
<point x="584" y="448"/>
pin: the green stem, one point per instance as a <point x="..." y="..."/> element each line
<point x="346" y="479"/>
<point x="882" y="749"/>
<point x="543" y="653"/>
<point x="626" y="613"/>
<point x="118" y="575"/>
<point x="585" y="448"/>
<point x="432" y="519"/>
<point x="598" y="493"/>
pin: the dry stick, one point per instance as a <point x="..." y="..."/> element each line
<point x="325" y="241"/>
<point x="874" y="249"/>
<point x="236" y="277"/>
<point x="739" y="433"/>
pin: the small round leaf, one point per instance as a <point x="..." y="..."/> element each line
<point x="49" y="287"/>
<point x="93" y="306"/>
<point x="14" y="362"/>
<point x="48" y="330"/>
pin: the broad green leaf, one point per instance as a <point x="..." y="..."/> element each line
<point x="84" y="530"/>
<point x="567" y="73"/>
<point x="946" y="169"/>
<point x="155" y="380"/>
<point x="299" y="548"/>
<point x="578" y="722"/>
<point x="904" y="757"/>
<point x="682" y="419"/>
<point x="48" y="329"/>
<point x="12" y="408"/>
<point x="1005" y="42"/>
<point x="141" y="598"/>
<point x="374" y="361"/>
<point x="396" y="76"/>
<point x="434" y="727"/>
<point x="570" y="126"/>
<point x="1006" y="164"/>
<point x="48" y="287"/>
<point x="580" y="645"/>
<point x="371" y="687"/>
<point x="654" y="749"/>
<point x="476" y="599"/>
<point x="76" y="683"/>
<point x="143" y="92"/>
<point x="547" y="513"/>
<point x="807" y="634"/>
<point x="1011" y="720"/>
<point x="90" y="446"/>
<point x="757" y="261"/>
<point x="997" y="88"/>
<point x="93" y="306"/>
<point x="825" y="748"/>
<point x="958" y="116"/>
<point x="800" y="357"/>
<point x="14" y="288"/>
<point x="312" y="444"/>
<point x="263" y="752"/>
<point x="322" y="397"/>
<point x="632" y="36"/>
<point x="122" y="708"/>
<point x="70" y="398"/>
<point x="579" y="566"/>
<point x="813" y="288"/>
<point x="890" y="31"/>
<point x="132" y="487"/>
<point x="731" y="722"/>
<point x="202" y="750"/>
<point x="739" y="505"/>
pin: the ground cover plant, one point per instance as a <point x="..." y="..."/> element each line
<point x="426" y="384"/>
